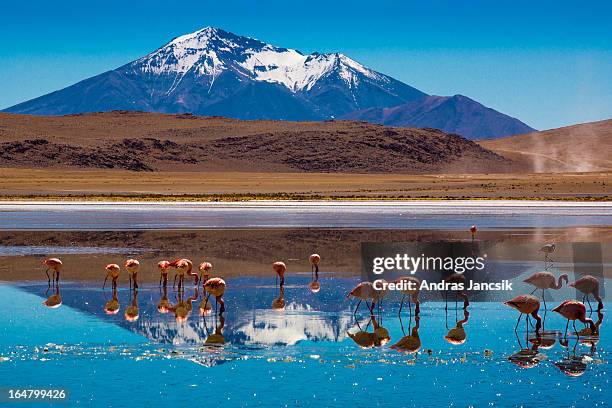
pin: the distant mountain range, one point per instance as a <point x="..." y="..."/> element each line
<point x="214" y="72"/>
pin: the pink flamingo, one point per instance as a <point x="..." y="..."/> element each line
<point x="365" y="291"/>
<point x="473" y="230"/>
<point x="575" y="310"/>
<point x="183" y="266"/>
<point x="132" y="266"/>
<point x="205" y="268"/>
<point x="55" y="265"/>
<point x="528" y="305"/>
<point x="280" y="268"/>
<point x="112" y="271"/>
<point x="163" y="267"/>
<point x="216" y="287"/>
<point x="315" y="260"/>
<point x="589" y="285"/>
<point x="545" y="280"/>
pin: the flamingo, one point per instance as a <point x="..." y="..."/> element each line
<point x="456" y="278"/>
<point x="183" y="266"/>
<point x="163" y="267"/>
<point x="280" y="268"/>
<point x="315" y="260"/>
<point x="411" y="289"/>
<point x="132" y="266"/>
<point x="205" y="268"/>
<point x="112" y="271"/>
<point x="528" y="305"/>
<point x="365" y="291"/>
<point x="216" y="287"/>
<point x="473" y="230"/>
<point x="574" y="310"/>
<point x="589" y="285"/>
<point x="547" y="250"/>
<point x="545" y="280"/>
<point x="55" y="265"/>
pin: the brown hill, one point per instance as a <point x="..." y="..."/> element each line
<point x="154" y="142"/>
<point x="578" y="148"/>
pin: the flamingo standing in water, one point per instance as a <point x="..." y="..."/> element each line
<point x="545" y="280"/>
<point x="528" y="305"/>
<point x="314" y="260"/>
<point x="216" y="287"/>
<point x="365" y="291"/>
<point x="589" y="285"/>
<point x="205" y="268"/>
<point x="280" y="268"/>
<point x="183" y="266"/>
<point x="547" y="250"/>
<point x="473" y="230"/>
<point x="112" y="271"/>
<point x="163" y="267"/>
<point x="132" y="266"/>
<point x="575" y="310"/>
<point x="55" y="265"/>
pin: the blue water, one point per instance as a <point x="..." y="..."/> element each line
<point x="301" y="356"/>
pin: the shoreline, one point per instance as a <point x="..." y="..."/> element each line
<point x="285" y="198"/>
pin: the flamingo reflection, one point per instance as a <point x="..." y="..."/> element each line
<point x="377" y="338"/>
<point x="164" y="304"/>
<point x="131" y="312"/>
<point x="111" y="307"/>
<point x="314" y="285"/>
<point x="217" y="338"/>
<point x="457" y="334"/>
<point x="55" y="300"/>
<point x="411" y="343"/>
<point x="182" y="308"/>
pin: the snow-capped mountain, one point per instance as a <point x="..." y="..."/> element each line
<point x="214" y="72"/>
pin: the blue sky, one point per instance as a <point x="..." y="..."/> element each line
<point x="549" y="63"/>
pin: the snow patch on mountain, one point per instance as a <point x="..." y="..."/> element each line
<point x="210" y="51"/>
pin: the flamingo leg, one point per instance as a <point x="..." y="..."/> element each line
<point x="576" y="330"/>
<point x="527" y="326"/>
<point x="130" y="276"/>
<point x="401" y="305"/>
<point x="589" y="302"/>
<point x="533" y="291"/>
<point x="566" y="326"/>
<point x="174" y="284"/>
<point x="48" y="277"/>
<point x="105" y="279"/>
<point x="410" y="309"/>
<point x="57" y="277"/>
<point x="517" y="322"/>
<point x="357" y="307"/>
<point x="446" y="300"/>
<point x="222" y="308"/>
<point x="544" y="299"/>
<point x="160" y="279"/>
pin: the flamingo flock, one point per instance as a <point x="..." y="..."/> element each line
<point x="365" y="292"/>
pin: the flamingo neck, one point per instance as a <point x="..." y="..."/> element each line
<point x="536" y="316"/>
<point x="590" y="322"/>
